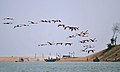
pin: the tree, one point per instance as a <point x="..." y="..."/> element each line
<point x="116" y="30"/>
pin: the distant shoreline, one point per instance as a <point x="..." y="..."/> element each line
<point x="40" y="59"/>
<point x="107" y="55"/>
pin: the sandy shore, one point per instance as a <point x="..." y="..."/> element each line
<point x="74" y="59"/>
<point x="40" y="59"/>
<point x="17" y="59"/>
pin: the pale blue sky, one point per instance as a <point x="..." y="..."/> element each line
<point x="96" y="16"/>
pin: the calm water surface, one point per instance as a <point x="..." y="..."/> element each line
<point x="60" y="67"/>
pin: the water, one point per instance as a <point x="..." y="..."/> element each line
<point x="59" y="66"/>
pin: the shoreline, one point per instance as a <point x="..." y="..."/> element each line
<point x="40" y="59"/>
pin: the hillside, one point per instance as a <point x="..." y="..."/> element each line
<point x="109" y="54"/>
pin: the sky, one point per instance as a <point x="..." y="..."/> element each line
<point x="96" y="16"/>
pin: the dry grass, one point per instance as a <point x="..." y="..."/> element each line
<point x="110" y="55"/>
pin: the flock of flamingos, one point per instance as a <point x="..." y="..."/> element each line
<point x="58" y="22"/>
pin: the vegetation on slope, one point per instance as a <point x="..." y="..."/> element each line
<point x="109" y="54"/>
